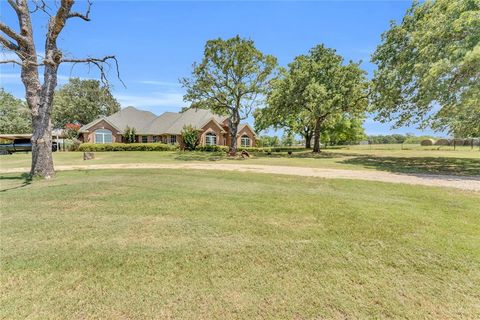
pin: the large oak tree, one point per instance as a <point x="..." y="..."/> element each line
<point x="429" y="68"/>
<point x="39" y="94"/>
<point x="230" y="80"/>
<point x="317" y="88"/>
<point x="82" y="101"/>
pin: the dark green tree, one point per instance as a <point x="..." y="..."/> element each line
<point x="82" y="101"/>
<point x="14" y="114"/>
<point x="317" y="88"/>
<point x="429" y="68"/>
<point x="230" y="80"/>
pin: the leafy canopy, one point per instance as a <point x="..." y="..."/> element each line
<point x="316" y="89"/>
<point x="14" y="114"/>
<point x="429" y="68"/>
<point x="82" y="101"/>
<point x="230" y="80"/>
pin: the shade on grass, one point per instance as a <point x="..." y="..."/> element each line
<point x="463" y="161"/>
<point x="191" y="244"/>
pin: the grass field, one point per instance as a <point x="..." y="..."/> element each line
<point x="136" y="244"/>
<point x="392" y="158"/>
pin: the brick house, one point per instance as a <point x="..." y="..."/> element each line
<point x="166" y="128"/>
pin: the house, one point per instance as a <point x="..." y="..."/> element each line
<point x="166" y="128"/>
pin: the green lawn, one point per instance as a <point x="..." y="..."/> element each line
<point x="140" y="244"/>
<point x="413" y="159"/>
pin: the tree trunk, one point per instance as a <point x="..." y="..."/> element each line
<point x="40" y="100"/>
<point x="42" y="161"/>
<point x="316" y="140"/>
<point x="308" y="141"/>
<point x="233" y="136"/>
<point x="233" y="123"/>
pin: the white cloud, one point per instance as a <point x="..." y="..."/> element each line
<point x="15" y="79"/>
<point x="160" y="100"/>
<point x="160" y="83"/>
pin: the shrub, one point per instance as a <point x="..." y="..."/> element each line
<point x="74" y="145"/>
<point x="215" y="148"/>
<point x="190" y="137"/>
<point x="129" y="135"/>
<point x="127" y="147"/>
<point x="71" y="130"/>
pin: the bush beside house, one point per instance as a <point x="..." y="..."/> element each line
<point x="92" y="147"/>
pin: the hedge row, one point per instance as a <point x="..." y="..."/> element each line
<point x="127" y="147"/>
<point x="91" y="147"/>
<point x="212" y="148"/>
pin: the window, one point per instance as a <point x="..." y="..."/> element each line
<point x="154" y="139"/>
<point x="173" y="139"/>
<point x="103" y="136"/>
<point x="144" y="139"/>
<point x="210" y="139"/>
<point x="245" y="141"/>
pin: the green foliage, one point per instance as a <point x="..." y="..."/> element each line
<point x="190" y="137"/>
<point x="129" y="135"/>
<point x="429" y="68"/>
<point x="288" y="139"/>
<point x="72" y="130"/>
<point x="317" y="88"/>
<point x="14" y="114"/>
<point x="268" y="141"/>
<point x="127" y="147"/>
<point x="230" y="79"/>
<point x="82" y="101"/>
<point x="343" y="130"/>
<point x="212" y="148"/>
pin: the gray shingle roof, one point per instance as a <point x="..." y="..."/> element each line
<point x="197" y="118"/>
<point x="146" y="122"/>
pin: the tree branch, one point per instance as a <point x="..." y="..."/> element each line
<point x="14" y="6"/>
<point x="8" y="44"/>
<point x="40" y="5"/>
<point x="12" y="34"/>
<point x="85" y="16"/>
<point x="100" y="64"/>
<point x="56" y="24"/>
<point x="10" y="61"/>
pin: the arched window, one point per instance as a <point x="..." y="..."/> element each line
<point x="103" y="136"/>
<point x="210" y="139"/>
<point x="245" y="141"/>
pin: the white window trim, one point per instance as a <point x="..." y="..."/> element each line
<point x="245" y="138"/>
<point x="102" y="134"/>
<point x="210" y="136"/>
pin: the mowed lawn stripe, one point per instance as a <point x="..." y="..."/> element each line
<point x="196" y="244"/>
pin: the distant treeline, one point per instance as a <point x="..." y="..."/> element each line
<point x="396" y="138"/>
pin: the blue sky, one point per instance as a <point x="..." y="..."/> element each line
<point x="156" y="42"/>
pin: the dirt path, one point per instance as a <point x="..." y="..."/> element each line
<point x="459" y="182"/>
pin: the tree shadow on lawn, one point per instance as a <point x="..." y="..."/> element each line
<point x="216" y="156"/>
<point x="24" y="178"/>
<point x="425" y="165"/>
<point x="302" y="155"/>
